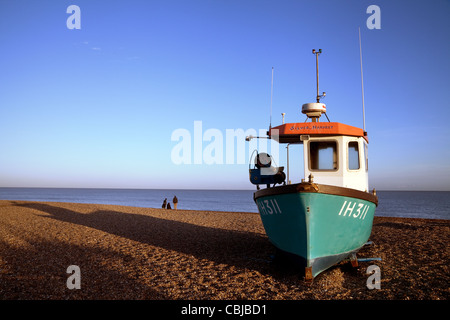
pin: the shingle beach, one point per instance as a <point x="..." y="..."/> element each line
<point x="156" y="254"/>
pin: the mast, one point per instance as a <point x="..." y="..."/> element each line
<point x="315" y="110"/>
<point x="317" y="71"/>
<point x="271" y="97"/>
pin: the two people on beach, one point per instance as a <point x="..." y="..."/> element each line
<point x="166" y="205"/>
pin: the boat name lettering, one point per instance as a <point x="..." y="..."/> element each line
<point x="269" y="207"/>
<point x="310" y="127"/>
<point x="354" y="209"/>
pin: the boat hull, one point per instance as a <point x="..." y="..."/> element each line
<point x="319" y="225"/>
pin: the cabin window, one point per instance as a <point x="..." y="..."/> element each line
<point x="323" y="155"/>
<point x="353" y="155"/>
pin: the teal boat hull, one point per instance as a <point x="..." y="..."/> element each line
<point x="319" y="225"/>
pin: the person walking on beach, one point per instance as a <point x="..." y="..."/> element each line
<point x="164" y="203"/>
<point x="175" y="202"/>
<point x="168" y="206"/>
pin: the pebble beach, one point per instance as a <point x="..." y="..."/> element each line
<point x="129" y="253"/>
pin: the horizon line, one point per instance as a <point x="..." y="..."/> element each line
<point x="201" y="189"/>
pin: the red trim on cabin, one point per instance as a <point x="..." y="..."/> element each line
<point x="289" y="132"/>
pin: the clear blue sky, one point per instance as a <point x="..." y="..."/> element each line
<point x="96" y="107"/>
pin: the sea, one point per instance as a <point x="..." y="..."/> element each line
<point x="406" y="204"/>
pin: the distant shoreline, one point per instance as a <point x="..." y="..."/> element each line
<point x="193" y="189"/>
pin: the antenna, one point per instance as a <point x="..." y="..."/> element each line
<point x="362" y="81"/>
<point x="317" y="71"/>
<point x="315" y="110"/>
<point x="271" y="96"/>
<point x="317" y="53"/>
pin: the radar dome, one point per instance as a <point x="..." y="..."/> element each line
<point x="314" y="109"/>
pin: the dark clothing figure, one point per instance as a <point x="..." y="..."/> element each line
<point x="175" y="202"/>
<point x="164" y="203"/>
<point x="168" y="206"/>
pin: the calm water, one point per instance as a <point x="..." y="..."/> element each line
<point x="412" y="204"/>
<point x="215" y="200"/>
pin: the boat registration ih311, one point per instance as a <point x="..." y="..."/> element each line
<point x="360" y="212"/>
<point x="269" y="206"/>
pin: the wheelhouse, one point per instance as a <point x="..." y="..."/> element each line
<point x="333" y="153"/>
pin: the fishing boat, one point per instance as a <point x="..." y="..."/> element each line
<point x="326" y="217"/>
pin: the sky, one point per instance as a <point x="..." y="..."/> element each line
<point x="110" y="105"/>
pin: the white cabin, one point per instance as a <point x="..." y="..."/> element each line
<point x="337" y="160"/>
